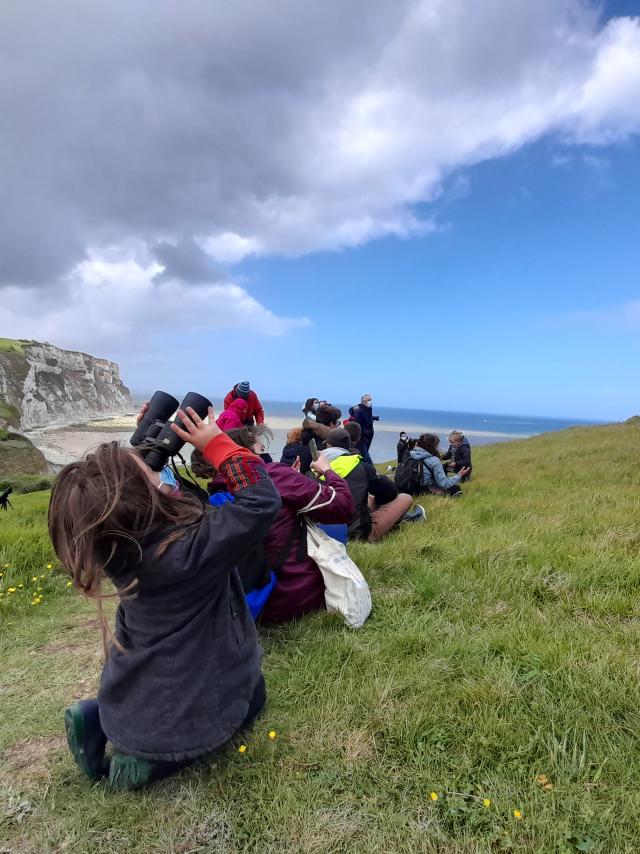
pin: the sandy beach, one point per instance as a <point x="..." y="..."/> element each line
<point x="62" y="445"/>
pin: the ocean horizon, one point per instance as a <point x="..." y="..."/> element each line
<point x="481" y="428"/>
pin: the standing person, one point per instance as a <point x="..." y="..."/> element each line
<point x="255" y="412"/>
<point x="458" y="454"/>
<point x="434" y="480"/>
<point x="378" y="504"/>
<point x="182" y="674"/>
<point x="310" y="408"/>
<point x="402" y="448"/>
<point x="362" y="413"/>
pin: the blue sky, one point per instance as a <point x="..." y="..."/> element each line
<point x="516" y="305"/>
<point x="434" y="202"/>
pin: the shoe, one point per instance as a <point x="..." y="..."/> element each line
<point x="417" y="514"/>
<point x="86" y="739"/>
<point x="129" y="772"/>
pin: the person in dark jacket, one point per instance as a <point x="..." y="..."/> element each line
<point x="327" y="417"/>
<point x="292" y="450"/>
<point x="363" y="415"/>
<point x="434" y="479"/>
<point x="300" y="585"/>
<point x="402" y="448"/>
<point x="458" y="454"/>
<point x="378" y="504"/>
<point x="182" y="674"/>
<point x="255" y="412"/>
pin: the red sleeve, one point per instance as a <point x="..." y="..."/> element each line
<point x="258" y="411"/>
<point x="239" y="466"/>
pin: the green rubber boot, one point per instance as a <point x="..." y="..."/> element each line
<point x="129" y="772"/>
<point x="86" y="739"/>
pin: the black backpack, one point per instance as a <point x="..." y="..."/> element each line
<point x="408" y="477"/>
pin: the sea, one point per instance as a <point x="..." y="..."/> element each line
<point x="64" y="444"/>
<point x="481" y="428"/>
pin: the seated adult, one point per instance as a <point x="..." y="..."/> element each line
<point x="327" y="417"/>
<point x="293" y="448"/>
<point x="355" y="434"/>
<point x="255" y="412"/>
<point x="378" y="505"/>
<point x="434" y="479"/>
<point x="458" y="454"/>
<point x="300" y="586"/>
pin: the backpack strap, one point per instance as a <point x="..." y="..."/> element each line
<point x="312" y="504"/>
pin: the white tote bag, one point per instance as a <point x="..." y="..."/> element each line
<point x="346" y="591"/>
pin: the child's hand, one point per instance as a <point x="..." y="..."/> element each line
<point x="464" y="472"/>
<point x="197" y="432"/>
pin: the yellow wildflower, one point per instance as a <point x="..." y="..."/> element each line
<point x="486" y="802"/>
<point x="21" y="586"/>
<point x="517" y="814"/>
<point x="49" y="566"/>
<point x="35" y="578"/>
<point x="242" y="748"/>
<point x="69" y="583"/>
<point x="433" y="796"/>
<point x="11" y="590"/>
<point x="272" y="734"/>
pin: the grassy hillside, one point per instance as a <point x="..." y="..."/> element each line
<point x="18" y="456"/>
<point x="491" y="703"/>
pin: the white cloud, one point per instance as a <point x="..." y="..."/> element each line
<point x="276" y="128"/>
<point x="114" y="304"/>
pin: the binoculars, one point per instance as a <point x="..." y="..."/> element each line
<point x="154" y="436"/>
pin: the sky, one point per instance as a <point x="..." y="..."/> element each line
<point x="434" y="201"/>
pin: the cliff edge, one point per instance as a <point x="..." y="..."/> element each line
<point x="42" y="386"/>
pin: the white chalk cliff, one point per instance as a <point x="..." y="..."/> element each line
<point x="48" y="386"/>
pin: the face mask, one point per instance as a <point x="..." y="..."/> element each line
<point x="403" y="436"/>
<point x="167" y="477"/>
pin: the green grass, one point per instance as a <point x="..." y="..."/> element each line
<point x="12" y="345"/>
<point x="23" y="483"/>
<point x="504" y="644"/>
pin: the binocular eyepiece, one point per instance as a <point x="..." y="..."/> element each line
<point x="154" y="436"/>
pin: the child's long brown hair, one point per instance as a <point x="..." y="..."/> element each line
<point x="101" y="510"/>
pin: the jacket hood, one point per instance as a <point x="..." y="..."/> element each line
<point x="239" y="406"/>
<point x="421" y="454"/>
<point x="331" y="454"/>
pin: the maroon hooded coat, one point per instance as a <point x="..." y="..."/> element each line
<point x="300" y="586"/>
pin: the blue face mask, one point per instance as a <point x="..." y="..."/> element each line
<point x="167" y="476"/>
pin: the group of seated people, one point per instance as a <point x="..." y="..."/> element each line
<point x="437" y="473"/>
<point x="182" y="675"/>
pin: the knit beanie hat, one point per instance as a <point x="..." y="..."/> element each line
<point x="243" y="389"/>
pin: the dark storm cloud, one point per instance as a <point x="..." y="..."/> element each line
<point x="275" y="127"/>
<point x="186" y="261"/>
